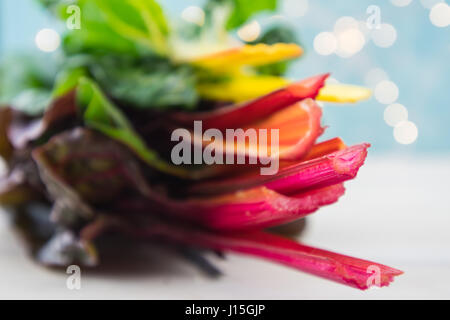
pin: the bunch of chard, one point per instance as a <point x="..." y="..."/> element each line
<point x="88" y="152"/>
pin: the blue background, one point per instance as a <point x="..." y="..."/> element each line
<point x="418" y="63"/>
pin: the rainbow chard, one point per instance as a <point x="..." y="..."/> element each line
<point x="88" y="150"/>
<point x="233" y="219"/>
<point x="238" y="115"/>
<point x="354" y="272"/>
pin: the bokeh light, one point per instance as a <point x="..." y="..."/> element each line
<point x="350" y="42"/>
<point x="406" y="132"/>
<point x="250" y="32"/>
<point x="385" y="36"/>
<point x="362" y="26"/>
<point x="349" y="36"/>
<point x="440" y="15"/>
<point x="345" y="23"/>
<point x="47" y="40"/>
<point x="325" y="43"/>
<point x="386" y="92"/>
<point x="395" y="113"/>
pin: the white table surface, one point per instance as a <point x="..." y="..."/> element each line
<point x="397" y="213"/>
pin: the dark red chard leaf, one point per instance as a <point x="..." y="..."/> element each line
<point x="25" y="129"/>
<point x="83" y="169"/>
<point x="350" y="271"/>
<point x="80" y="168"/>
<point x="97" y="168"/>
<point x="5" y="122"/>
<point x="292" y="178"/>
<point x="69" y="208"/>
<point x="240" y="115"/>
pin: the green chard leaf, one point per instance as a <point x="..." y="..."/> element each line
<point x="150" y="82"/>
<point x="67" y="80"/>
<point x="241" y="10"/>
<point x="141" y="21"/>
<point x="244" y="10"/>
<point x="122" y="26"/>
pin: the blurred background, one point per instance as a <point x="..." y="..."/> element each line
<point x="396" y="212"/>
<point x="405" y="61"/>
